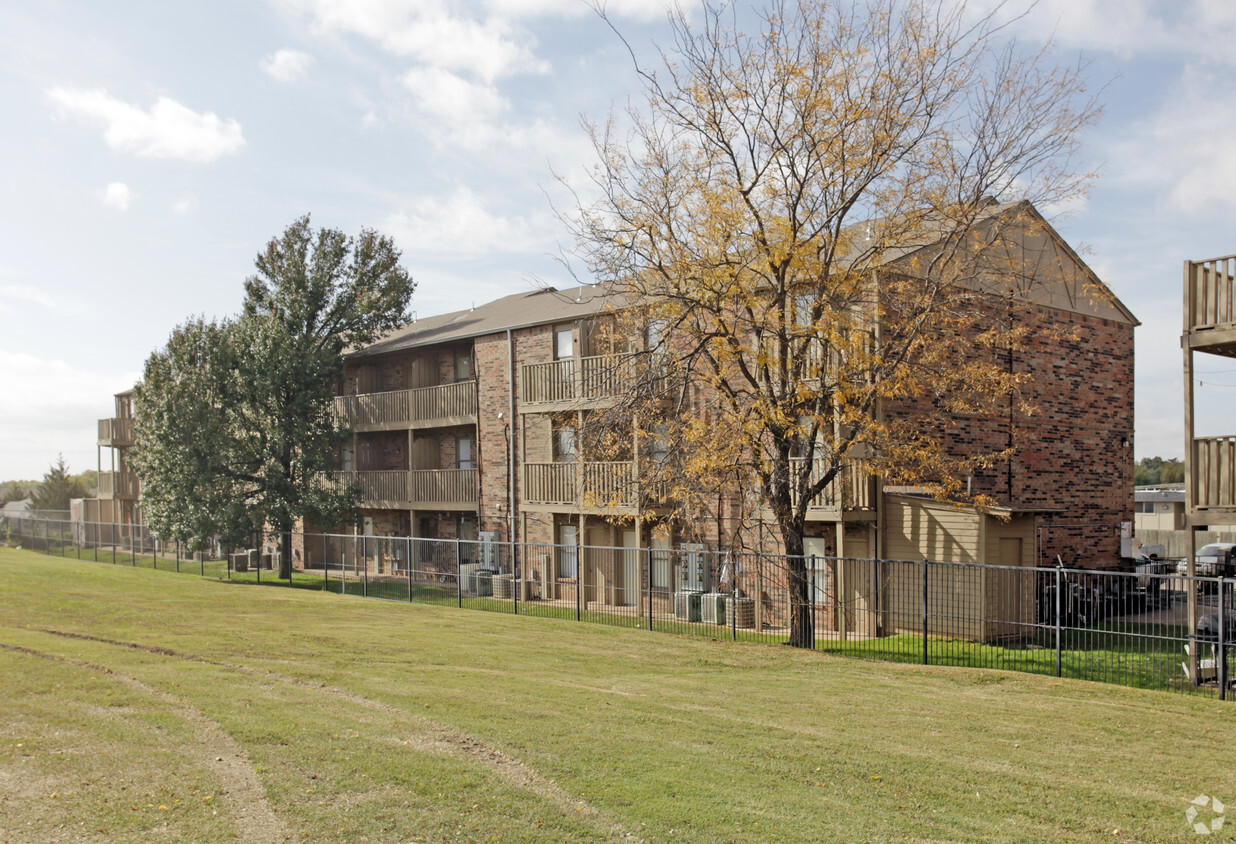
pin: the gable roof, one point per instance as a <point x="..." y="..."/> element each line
<point x="1067" y="283"/>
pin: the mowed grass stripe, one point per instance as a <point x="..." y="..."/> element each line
<point x="667" y="738"/>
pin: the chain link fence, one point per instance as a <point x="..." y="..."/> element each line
<point x="1127" y="627"/>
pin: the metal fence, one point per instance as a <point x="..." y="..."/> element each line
<point x="1130" y="628"/>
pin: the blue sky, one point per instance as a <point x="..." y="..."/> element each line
<point x="152" y="148"/>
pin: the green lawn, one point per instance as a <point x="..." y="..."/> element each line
<point x="144" y="706"/>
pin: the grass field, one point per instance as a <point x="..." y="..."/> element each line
<point x="143" y="706"/>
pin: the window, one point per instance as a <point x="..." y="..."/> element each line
<point x="564" y="343"/>
<point x="658" y="445"/>
<point x="654" y="335"/>
<point x="564" y="444"/>
<point x="463" y="365"/>
<point x="463" y="453"/>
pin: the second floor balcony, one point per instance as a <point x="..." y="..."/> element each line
<point x="422" y="407"/>
<point x="427" y="489"/>
<point x="587" y="485"/>
<point x="122" y="485"/>
<point x="851" y="489"/>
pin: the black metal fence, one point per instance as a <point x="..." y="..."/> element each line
<point x="1127" y="627"/>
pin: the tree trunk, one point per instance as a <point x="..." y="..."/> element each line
<point x="285" y="555"/>
<point x="802" y="619"/>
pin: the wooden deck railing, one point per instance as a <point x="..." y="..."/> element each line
<point x="444" y="486"/>
<point x="441" y="487"/>
<point x="445" y="403"/>
<point x="849" y="490"/>
<point x="604" y="484"/>
<point x="1213" y="475"/>
<point x="117" y="485"/>
<point x="549" y="483"/>
<point x="1210" y="298"/>
<point x="590" y="378"/>
<point x="116" y="431"/>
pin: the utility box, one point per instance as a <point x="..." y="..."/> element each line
<point x="687" y="606"/>
<point x="740" y="612"/>
<point x="712" y="608"/>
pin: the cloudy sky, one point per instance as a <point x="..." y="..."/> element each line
<point x="150" y="149"/>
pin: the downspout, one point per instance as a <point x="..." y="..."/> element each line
<point x="510" y="456"/>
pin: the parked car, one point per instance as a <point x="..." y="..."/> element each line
<point x="1217" y="559"/>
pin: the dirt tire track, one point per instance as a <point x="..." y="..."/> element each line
<point x="252" y="819"/>
<point x="436" y="738"/>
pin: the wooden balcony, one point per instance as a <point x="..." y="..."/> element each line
<point x="425" y="489"/>
<point x="123" y="485"/>
<point x="1212" y="479"/>
<point x="443" y="489"/>
<point x="851" y="490"/>
<point x="576" y="382"/>
<point x="1210" y="306"/>
<point x="116" y="432"/>
<point x="423" y="407"/>
<point x="606" y="486"/>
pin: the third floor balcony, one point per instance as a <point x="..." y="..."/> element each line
<point x="422" y="407"/>
<point x="576" y="382"/>
<point x="116" y="432"/>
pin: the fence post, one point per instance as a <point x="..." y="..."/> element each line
<point x="365" y="572"/>
<point x="733" y="602"/>
<point x="407" y="559"/>
<point x="1059" y="599"/>
<point x="513" y="554"/>
<point x="1221" y="656"/>
<point x="201" y="563"/>
<point x="458" y="576"/>
<point x="811" y="598"/>
<point x="647" y="573"/>
<point x="924" y="612"/>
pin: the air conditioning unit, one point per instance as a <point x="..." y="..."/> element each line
<point x="712" y="608"/>
<point x="467" y="577"/>
<point x="504" y="586"/>
<point x="740" y="612"/>
<point x="687" y="606"/>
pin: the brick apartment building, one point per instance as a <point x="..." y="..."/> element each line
<point x="465" y="427"/>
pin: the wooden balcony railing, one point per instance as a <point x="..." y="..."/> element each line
<point x="573" y="380"/>
<point x="117" y="485"/>
<point x="1210" y="295"/>
<point x="116" y="432"/>
<point x="443" y="487"/>
<point x="429" y="488"/>
<point x="549" y="483"/>
<point x="605" y="485"/>
<point x="849" y="490"/>
<point x="445" y="404"/>
<point x="609" y="485"/>
<point x="1213" y="473"/>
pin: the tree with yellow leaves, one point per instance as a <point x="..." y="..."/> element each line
<point x="813" y="220"/>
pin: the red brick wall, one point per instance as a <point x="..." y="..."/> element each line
<point x="1068" y="450"/>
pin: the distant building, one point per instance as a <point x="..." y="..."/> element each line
<point x="1159" y="508"/>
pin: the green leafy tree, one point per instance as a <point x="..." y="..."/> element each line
<point x="235" y="429"/>
<point x="58" y="488"/>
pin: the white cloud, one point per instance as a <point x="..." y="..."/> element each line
<point x="452" y="100"/>
<point x="434" y="32"/>
<point x="185" y="204"/>
<point x="24" y="293"/>
<point x="287" y="65"/>
<point x="58" y="409"/>
<point x="461" y="224"/>
<point x="118" y="195"/>
<point x="167" y="130"/>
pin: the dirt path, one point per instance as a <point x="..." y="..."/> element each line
<point x="431" y="737"/>
<point x="253" y="821"/>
